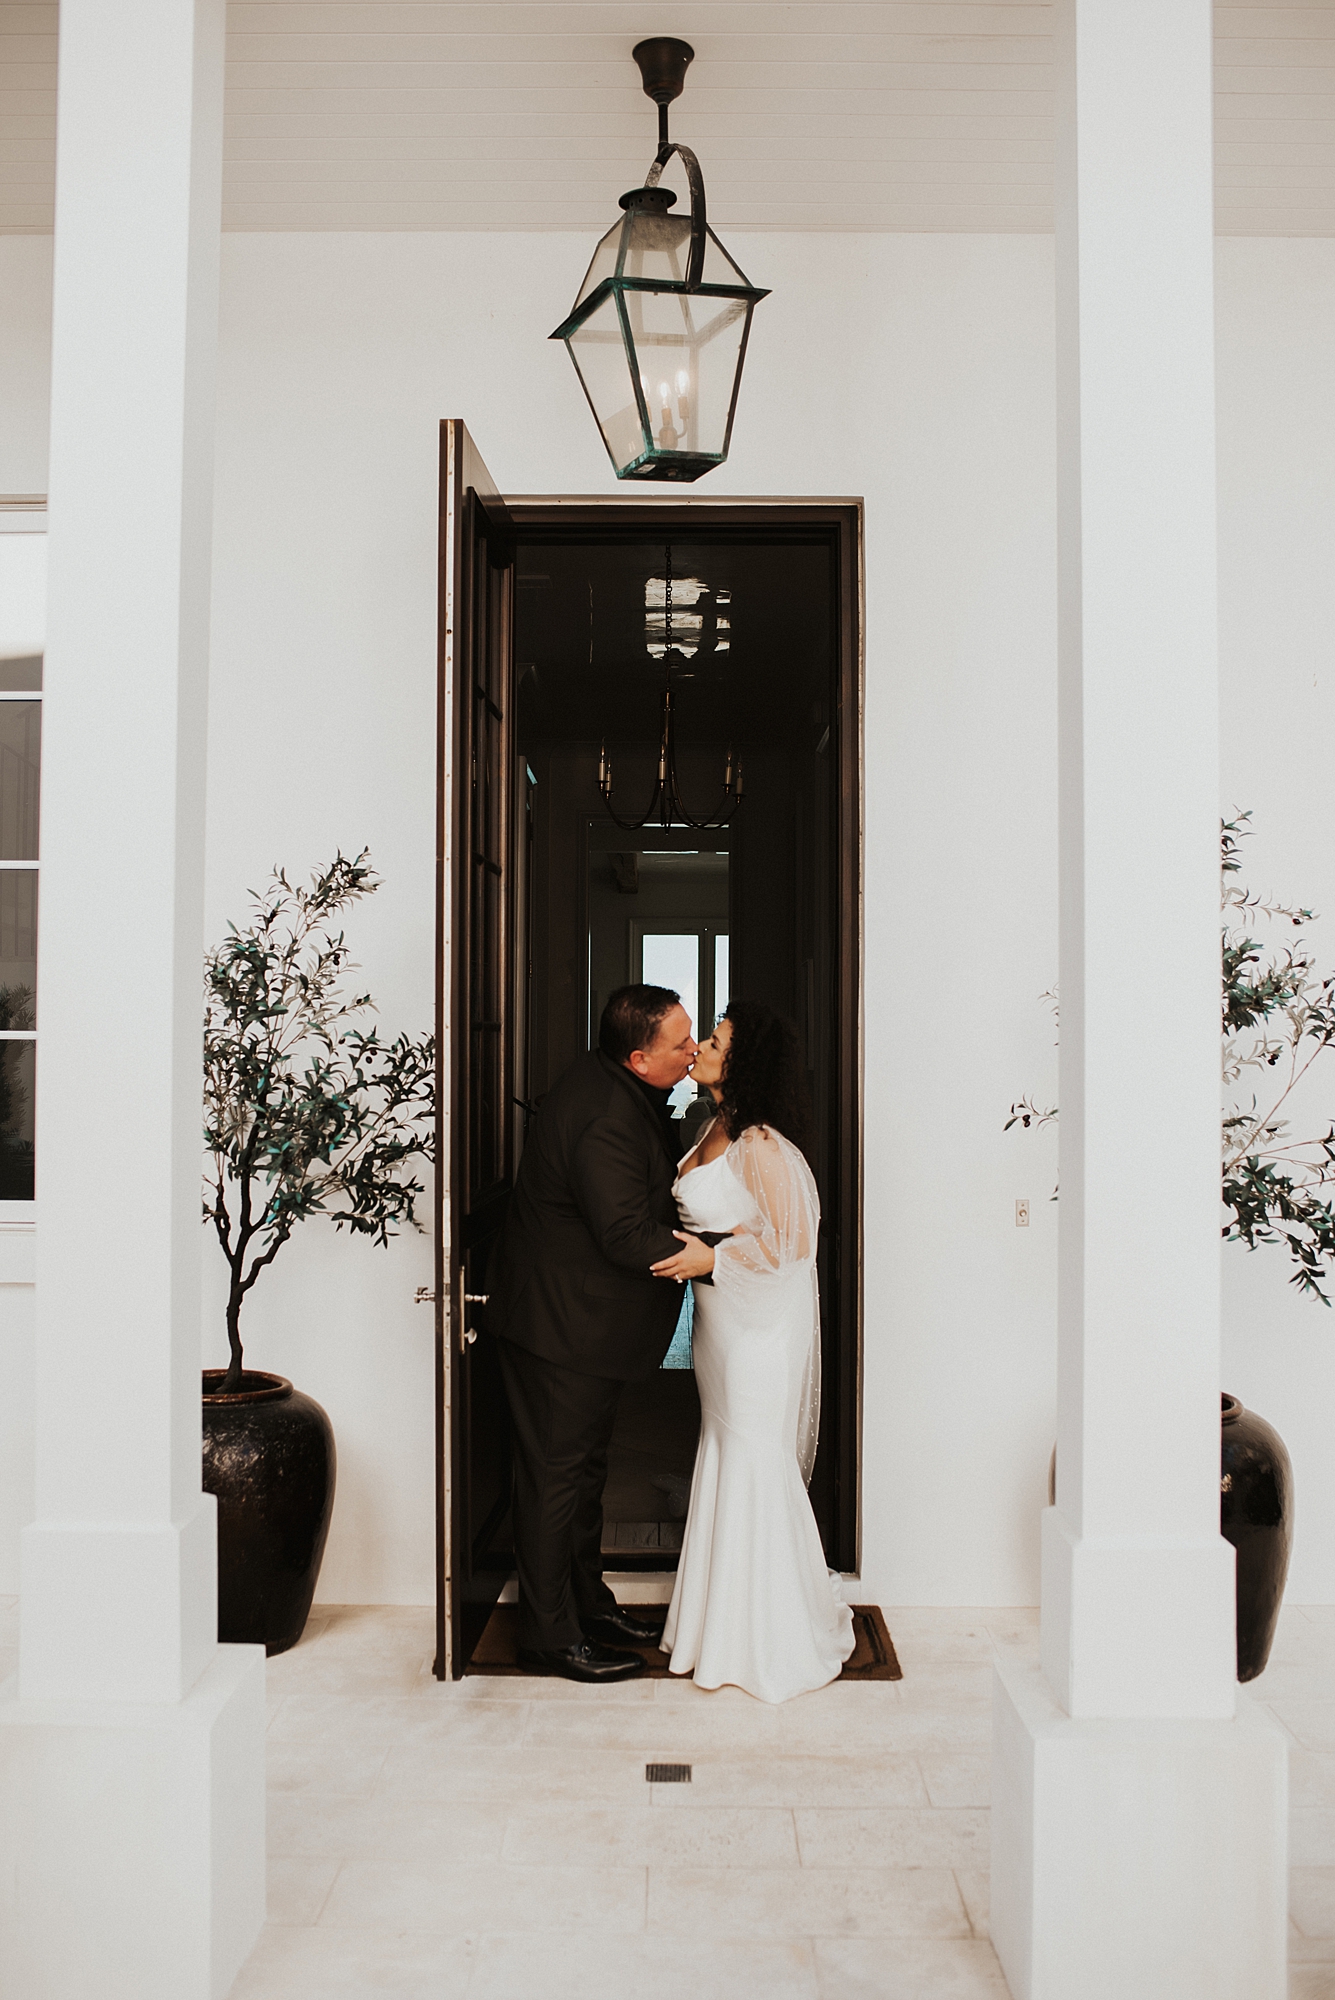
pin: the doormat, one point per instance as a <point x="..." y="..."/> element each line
<point x="872" y="1658"/>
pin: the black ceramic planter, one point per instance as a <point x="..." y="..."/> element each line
<point x="1256" y="1515"/>
<point x="269" y="1458"/>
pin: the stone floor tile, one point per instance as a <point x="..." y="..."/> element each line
<point x="1296" y="1639"/>
<point x="908" y="1969"/>
<point x="377" y="1628"/>
<point x="1311" y="1778"/>
<point x="538" y="1687"/>
<point x="1298" y="1680"/>
<point x="356" y="1676"/>
<point x="1013" y="1624"/>
<point x="321" y="1718"/>
<point x="925" y="1638"/>
<point x="903" y="1837"/>
<point x="468" y="1902"/>
<point x="660" y="1968"/>
<point x="1312" y="1723"/>
<point x="810" y="1902"/>
<point x="410" y="1821"/>
<point x="681" y="1689"/>
<point x="1312" y="1901"/>
<point x="297" y="1885"/>
<point x="389" y="1829"/>
<point x="957" y="1780"/>
<point x="1312" y="1982"/>
<point x="873" y="1779"/>
<point x="909" y="1731"/>
<point x="1312" y="1836"/>
<point x="479" y="1773"/>
<point x="704" y="1837"/>
<point x="974" y="1887"/>
<point x="949" y="1685"/>
<point x="659" y="1732"/>
<point x="316" y="1964"/>
<point x="346" y="1770"/>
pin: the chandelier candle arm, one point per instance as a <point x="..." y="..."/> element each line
<point x="665" y="801"/>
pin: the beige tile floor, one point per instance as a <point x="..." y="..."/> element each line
<point x="497" y="1840"/>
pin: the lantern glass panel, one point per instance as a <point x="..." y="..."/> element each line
<point x="604" y="262"/>
<point x="598" y="349"/>
<point x="687" y="349"/>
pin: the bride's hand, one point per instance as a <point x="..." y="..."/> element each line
<point x="695" y="1261"/>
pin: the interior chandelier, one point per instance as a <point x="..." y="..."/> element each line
<point x="658" y="333"/>
<point x="665" y="807"/>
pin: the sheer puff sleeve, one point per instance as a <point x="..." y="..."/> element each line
<point x="776" y="1241"/>
<point x="780" y="1232"/>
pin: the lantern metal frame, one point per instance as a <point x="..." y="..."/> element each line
<point x="662" y="62"/>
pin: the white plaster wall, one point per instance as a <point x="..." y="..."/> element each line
<point x="1277" y="599"/>
<point x="25" y="361"/>
<point x="915" y="371"/>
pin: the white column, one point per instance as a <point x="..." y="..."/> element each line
<point x="1138" y="1839"/>
<point x="131" y="1756"/>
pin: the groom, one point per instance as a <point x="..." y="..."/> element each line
<point x="577" y="1315"/>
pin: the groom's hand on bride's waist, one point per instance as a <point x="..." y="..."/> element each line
<point x="694" y="1260"/>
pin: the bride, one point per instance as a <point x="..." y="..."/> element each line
<point x="754" y="1604"/>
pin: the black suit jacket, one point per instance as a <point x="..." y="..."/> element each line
<point x="591" y="1211"/>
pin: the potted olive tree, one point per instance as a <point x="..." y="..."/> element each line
<point x="305" y="1114"/>
<point x="1277" y="1016"/>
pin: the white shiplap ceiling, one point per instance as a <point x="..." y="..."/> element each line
<point x="811" y="114"/>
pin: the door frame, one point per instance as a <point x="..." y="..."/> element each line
<point x="471" y="517"/>
<point x="528" y="517"/>
<point x="533" y="515"/>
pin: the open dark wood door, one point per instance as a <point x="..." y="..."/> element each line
<point x="476" y="992"/>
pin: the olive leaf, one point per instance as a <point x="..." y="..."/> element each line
<point x="1277" y="1018"/>
<point x="304" y="1113"/>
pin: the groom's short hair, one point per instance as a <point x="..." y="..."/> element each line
<point x="632" y="1018"/>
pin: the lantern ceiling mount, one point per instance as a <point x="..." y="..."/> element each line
<point x="659" y="330"/>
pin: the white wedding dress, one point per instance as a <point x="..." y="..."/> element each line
<point x="754" y="1604"/>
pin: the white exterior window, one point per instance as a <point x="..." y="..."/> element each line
<point x="22" y="574"/>
<point x="20" y="763"/>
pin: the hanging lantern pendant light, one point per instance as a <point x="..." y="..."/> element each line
<point x="665" y="807"/>
<point x="658" y="333"/>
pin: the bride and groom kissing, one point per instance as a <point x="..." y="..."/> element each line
<point x="605" y="1225"/>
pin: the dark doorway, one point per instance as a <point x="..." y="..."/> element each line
<point x="765" y="632"/>
<point x="551" y="647"/>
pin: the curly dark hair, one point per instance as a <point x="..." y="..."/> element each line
<point x="764" y="1076"/>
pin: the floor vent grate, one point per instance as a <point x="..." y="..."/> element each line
<point x="667" y="1774"/>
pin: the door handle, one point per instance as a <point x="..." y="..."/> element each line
<point x="468" y="1334"/>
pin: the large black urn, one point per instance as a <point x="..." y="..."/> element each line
<point x="1256" y="1515"/>
<point x="269" y="1458"/>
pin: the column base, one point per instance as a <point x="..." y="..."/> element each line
<point x="132" y="1840"/>
<point x="1144" y="1858"/>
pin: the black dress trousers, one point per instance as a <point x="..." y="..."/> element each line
<point x="561" y="1427"/>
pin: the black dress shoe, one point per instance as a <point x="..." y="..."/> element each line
<point x="585" y="1662"/>
<point x="619" y="1628"/>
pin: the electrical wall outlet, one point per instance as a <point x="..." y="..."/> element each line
<point x="1022" y="1212"/>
